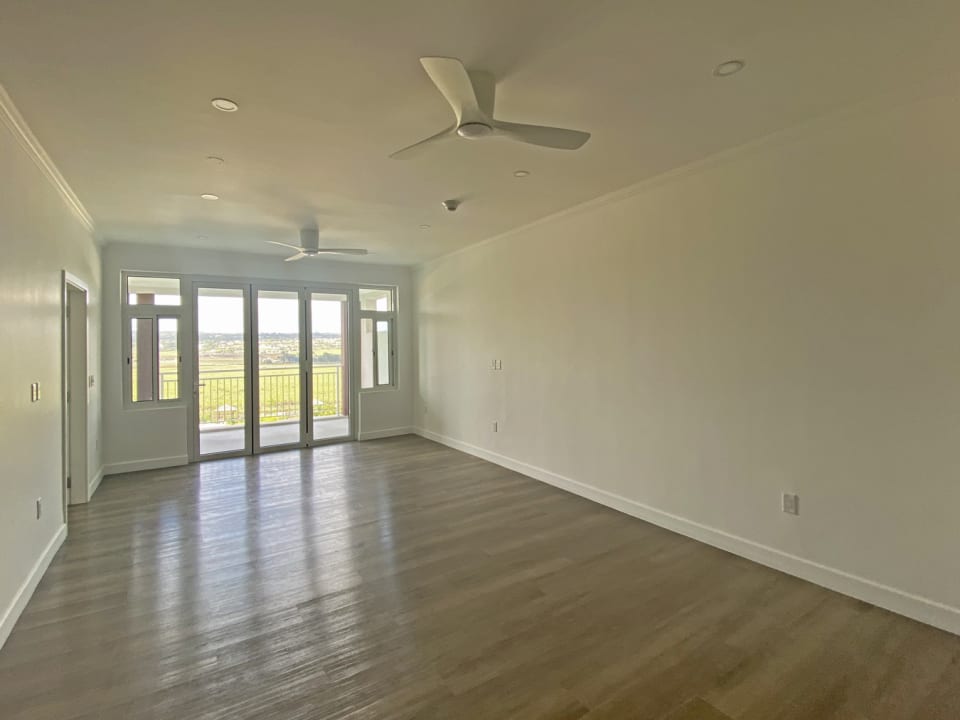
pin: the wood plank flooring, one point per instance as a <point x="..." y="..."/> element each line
<point x="401" y="579"/>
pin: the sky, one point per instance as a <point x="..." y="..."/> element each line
<point x="276" y="315"/>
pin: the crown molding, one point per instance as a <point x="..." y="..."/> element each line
<point x="13" y="120"/>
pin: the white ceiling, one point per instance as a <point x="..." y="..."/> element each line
<point x="118" y="91"/>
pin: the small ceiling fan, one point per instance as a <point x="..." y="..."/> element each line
<point x="310" y="247"/>
<point x="472" y="99"/>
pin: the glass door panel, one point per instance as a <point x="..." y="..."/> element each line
<point x="328" y="353"/>
<point x="222" y="370"/>
<point x="278" y="358"/>
<point x="384" y="353"/>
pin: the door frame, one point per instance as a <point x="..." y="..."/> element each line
<point x="75" y="299"/>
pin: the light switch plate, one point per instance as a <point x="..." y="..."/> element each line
<point x="791" y="504"/>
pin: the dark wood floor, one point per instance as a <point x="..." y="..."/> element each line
<point x="401" y="579"/>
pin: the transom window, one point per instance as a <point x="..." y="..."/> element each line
<point x="153" y="290"/>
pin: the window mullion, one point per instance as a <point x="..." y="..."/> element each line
<point x="376" y="354"/>
<point x="156" y="358"/>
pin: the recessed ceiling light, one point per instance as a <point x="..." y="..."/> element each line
<point x="224" y="105"/>
<point x="210" y="196"/>
<point x="215" y="159"/>
<point x="521" y="173"/>
<point x="730" y="67"/>
<point x="201" y="237"/>
<point x="424" y="227"/>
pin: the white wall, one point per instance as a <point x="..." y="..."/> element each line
<point x="40" y="238"/>
<point x="782" y="318"/>
<point x="134" y="438"/>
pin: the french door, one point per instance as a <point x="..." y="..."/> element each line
<point x="279" y="369"/>
<point x="222" y="370"/>
<point x="272" y="368"/>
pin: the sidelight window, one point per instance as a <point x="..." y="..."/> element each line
<point x="378" y="345"/>
<point x="151" y="339"/>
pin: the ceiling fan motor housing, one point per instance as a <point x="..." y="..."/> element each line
<point x="474" y="130"/>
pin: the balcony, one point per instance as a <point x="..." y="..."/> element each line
<point x="223" y="406"/>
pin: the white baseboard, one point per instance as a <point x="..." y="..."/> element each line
<point x="94" y="484"/>
<point x="388" y="432"/>
<point x="148" y="464"/>
<point x="899" y="601"/>
<point x="25" y="591"/>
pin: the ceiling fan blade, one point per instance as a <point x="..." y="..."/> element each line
<point x="286" y="245"/>
<point x="415" y="149"/>
<point x="342" y="251"/>
<point x="485" y="88"/>
<point x="298" y="256"/>
<point x="550" y="137"/>
<point x="453" y="81"/>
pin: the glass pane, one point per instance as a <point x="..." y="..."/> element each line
<point x="169" y="358"/>
<point x="366" y="353"/>
<point x="153" y="291"/>
<point x="329" y="402"/>
<point x="278" y="357"/>
<point x="141" y="359"/>
<point x="383" y="352"/>
<point x="376" y="299"/>
<point x="221" y="349"/>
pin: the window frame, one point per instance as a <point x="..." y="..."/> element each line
<point x="389" y="316"/>
<point x="156" y="313"/>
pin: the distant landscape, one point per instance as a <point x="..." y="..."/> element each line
<point x="221" y="375"/>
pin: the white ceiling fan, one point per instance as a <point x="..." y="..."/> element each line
<point x="472" y="98"/>
<point x="310" y="247"/>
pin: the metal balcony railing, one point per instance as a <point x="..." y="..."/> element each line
<point x="223" y="401"/>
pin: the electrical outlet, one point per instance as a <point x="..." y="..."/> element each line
<point x="791" y="504"/>
<point x="39" y="507"/>
<point x="496" y="426"/>
<point x="90" y="381"/>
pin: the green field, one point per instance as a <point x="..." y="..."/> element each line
<point x="222" y="393"/>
